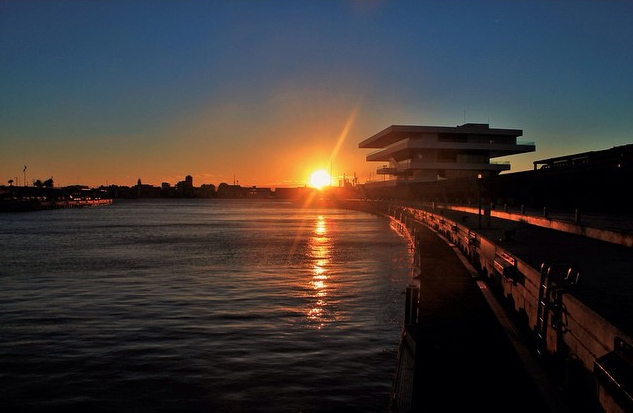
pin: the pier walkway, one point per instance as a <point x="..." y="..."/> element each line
<point x="463" y="352"/>
<point x="606" y="284"/>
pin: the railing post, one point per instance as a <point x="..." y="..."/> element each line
<point x="411" y="305"/>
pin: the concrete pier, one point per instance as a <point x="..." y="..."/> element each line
<point x="458" y="354"/>
<point x="514" y="316"/>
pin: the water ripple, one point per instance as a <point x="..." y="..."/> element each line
<point x="199" y="306"/>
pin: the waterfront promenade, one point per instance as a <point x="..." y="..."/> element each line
<point x="605" y="282"/>
<point x="462" y="353"/>
<point x="463" y="350"/>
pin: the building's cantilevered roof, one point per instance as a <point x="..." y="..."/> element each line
<point x="395" y="133"/>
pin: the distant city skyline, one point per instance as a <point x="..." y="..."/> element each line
<point x="267" y="92"/>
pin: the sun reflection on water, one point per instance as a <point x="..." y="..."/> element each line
<point x="320" y="227"/>
<point x="319" y="249"/>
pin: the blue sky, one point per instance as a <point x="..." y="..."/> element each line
<point x="265" y="92"/>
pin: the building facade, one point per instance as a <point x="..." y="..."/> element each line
<point x="411" y="154"/>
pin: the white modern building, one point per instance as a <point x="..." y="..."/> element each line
<point x="432" y="153"/>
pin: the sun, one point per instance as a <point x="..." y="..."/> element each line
<point x="319" y="179"/>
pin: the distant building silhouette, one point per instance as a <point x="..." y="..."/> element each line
<point x="231" y="191"/>
<point x="185" y="188"/>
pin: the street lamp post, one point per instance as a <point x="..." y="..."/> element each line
<point x="479" y="197"/>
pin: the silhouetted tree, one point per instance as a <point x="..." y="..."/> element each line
<point x="223" y="187"/>
<point x="43" y="184"/>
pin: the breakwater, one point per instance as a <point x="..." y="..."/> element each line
<point x="568" y="295"/>
<point x="548" y="288"/>
<point x="25" y="205"/>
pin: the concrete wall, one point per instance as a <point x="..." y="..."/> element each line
<point x="575" y="337"/>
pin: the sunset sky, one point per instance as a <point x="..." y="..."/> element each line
<point x="265" y="92"/>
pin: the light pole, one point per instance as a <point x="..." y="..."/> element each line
<point x="479" y="197"/>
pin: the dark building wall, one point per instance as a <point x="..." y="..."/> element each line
<point x="591" y="188"/>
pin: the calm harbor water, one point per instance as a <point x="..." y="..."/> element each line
<point x="199" y="306"/>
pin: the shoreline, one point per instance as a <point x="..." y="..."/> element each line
<point x="28" y="205"/>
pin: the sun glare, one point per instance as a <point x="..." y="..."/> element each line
<point x="319" y="179"/>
